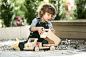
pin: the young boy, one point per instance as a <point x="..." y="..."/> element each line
<point x="46" y="13"/>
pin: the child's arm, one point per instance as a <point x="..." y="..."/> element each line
<point x="34" y="28"/>
<point x="39" y="29"/>
<point x="51" y="27"/>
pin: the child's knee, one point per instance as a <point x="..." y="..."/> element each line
<point x="21" y="45"/>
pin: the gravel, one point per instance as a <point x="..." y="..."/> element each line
<point x="64" y="45"/>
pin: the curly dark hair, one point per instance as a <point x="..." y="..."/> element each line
<point x="47" y="8"/>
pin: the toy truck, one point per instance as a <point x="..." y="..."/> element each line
<point x="52" y="39"/>
<point x="31" y="44"/>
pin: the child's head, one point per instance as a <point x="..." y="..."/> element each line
<point x="47" y="8"/>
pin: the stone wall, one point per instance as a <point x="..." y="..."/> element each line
<point x="75" y="29"/>
<point x="14" y="32"/>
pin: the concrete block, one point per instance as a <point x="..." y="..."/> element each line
<point x="2" y="31"/>
<point x="24" y="32"/>
<point x="70" y="29"/>
<point x="12" y="32"/>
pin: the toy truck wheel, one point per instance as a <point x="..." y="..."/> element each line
<point x="36" y="48"/>
<point x="56" y="48"/>
<point x="52" y="48"/>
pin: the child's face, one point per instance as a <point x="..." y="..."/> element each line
<point x="46" y="17"/>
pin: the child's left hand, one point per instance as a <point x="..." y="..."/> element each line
<point x="53" y="31"/>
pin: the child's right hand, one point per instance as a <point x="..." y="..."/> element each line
<point x="40" y="30"/>
<point x="53" y="31"/>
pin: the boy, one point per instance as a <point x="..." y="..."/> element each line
<point x="46" y="13"/>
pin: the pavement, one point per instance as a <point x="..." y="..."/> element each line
<point x="55" y="53"/>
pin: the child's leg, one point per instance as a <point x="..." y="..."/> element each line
<point x="21" y="45"/>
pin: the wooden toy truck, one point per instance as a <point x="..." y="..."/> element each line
<point x="31" y="44"/>
<point x="52" y="39"/>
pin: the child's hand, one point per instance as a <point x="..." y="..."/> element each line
<point x="53" y="31"/>
<point x="40" y="30"/>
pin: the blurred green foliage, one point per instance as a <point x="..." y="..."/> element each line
<point x="28" y="10"/>
<point x="0" y="8"/>
<point x="81" y="9"/>
<point x="31" y="13"/>
<point x="6" y="12"/>
<point x="19" y="8"/>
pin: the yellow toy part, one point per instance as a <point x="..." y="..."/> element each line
<point x="17" y="40"/>
<point x="15" y="46"/>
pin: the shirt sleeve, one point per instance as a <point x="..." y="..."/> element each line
<point x="50" y="25"/>
<point x="33" y="24"/>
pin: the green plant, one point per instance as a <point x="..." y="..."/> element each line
<point x="19" y="8"/>
<point x="31" y="13"/>
<point x="81" y="9"/>
<point x="6" y="12"/>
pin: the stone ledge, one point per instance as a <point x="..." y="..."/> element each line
<point x="14" y="32"/>
<point x="69" y="22"/>
<point x="75" y="29"/>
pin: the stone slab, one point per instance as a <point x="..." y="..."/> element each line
<point x="14" y="32"/>
<point x="70" y="29"/>
<point x="24" y="32"/>
<point x="9" y="33"/>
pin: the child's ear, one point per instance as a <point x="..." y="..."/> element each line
<point x="41" y="12"/>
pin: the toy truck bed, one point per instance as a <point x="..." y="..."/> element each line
<point x="50" y="37"/>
